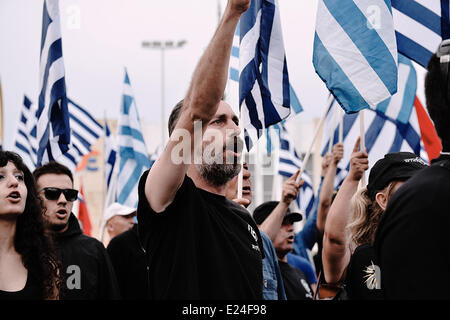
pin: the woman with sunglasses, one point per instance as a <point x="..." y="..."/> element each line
<point x="85" y="262"/>
<point x="28" y="267"/>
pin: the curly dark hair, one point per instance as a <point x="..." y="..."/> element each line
<point x="31" y="241"/>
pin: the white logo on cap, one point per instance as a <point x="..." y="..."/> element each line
<point x="417" y="159"/>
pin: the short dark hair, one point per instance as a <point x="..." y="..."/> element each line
<point x="174" y="116"/>
<point x="437" y="97"/>
<point x="52" y="167"/>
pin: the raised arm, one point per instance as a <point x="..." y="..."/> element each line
<point x="200" y="104"/>
<point x="326" y="192"/>
<point x="336" y="252"/>
<point x="272" y="224"/>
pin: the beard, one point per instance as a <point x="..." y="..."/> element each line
<point x="219" y="167"/>
<point x="218" y="175"/>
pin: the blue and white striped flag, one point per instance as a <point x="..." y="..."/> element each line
<point x="25" y="142"/>
<point x="355" y="51"/>
<point x="264" y="96"/>
<point x="420" y="27"/>
<point x="392" y="126"/>
<point x="133" y="155"/>
<point x="53" y="125"/>
<point x="85" y="131"/>
<point x="110" y="154"/>
<point x="288" y="165"/>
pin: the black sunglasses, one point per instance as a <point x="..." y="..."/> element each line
<point x="54" y="193"/>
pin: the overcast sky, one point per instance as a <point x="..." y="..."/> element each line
<point x="102" y="37"/>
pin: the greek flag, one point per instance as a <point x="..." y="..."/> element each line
<point x="25" y="142"/>
<point x="288" y="165"/>
<point x="234" y="78"/>
<point x="383" y="135"/>
<point x="264" y="95"/>
<point x="132" y="150"/>
<point x="355" y="51"/>
<point x="85" y="131"/>
<point x="53" y="124"/>
<point x="420" y="26"/>
<point x="110" y="153"/>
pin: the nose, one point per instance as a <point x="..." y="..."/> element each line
<point x="62" y="199"/>
<point x="13" y="181"/>
<point x="236" y="131"/>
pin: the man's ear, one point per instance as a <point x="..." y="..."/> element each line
<point x="109" y="227"/>
<point x="382" y="200"/>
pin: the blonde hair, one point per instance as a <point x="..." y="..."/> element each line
<point x="366" y="217"/>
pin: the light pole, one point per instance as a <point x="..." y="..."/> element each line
<point x="163" y="46"/>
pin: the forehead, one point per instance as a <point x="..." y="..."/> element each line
<point x="61" y="181"/>
<point x="9" y="166"/>
<point x="225" y="109"/>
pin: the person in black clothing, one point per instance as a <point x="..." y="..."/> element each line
<point x="130" y="264"/>
<point x="199" y="244"/>
<point x="348" y="255"/>
<point x="413" y="237"/>
<point x="29" y="268"/>
<point x="86" y="266"/>
<point x="295" y="282"/>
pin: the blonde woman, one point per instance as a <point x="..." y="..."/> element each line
<point x="348" y="256"/>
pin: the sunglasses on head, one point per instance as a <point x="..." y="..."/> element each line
<point x="54" y="193"/>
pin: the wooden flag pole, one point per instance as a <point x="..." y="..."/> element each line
<point x="341" y="126"/>
<point x="319" y="126"/>
<point x="362" y="144"/>
<point x="241" y="161"/>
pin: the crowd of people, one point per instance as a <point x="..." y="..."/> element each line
<point x="194" y="237"/>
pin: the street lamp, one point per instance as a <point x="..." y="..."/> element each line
<point x="163" y="46"/>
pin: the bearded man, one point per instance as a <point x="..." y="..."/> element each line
<point x="199" y="244"/>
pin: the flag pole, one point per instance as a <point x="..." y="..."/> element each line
<point x="319" y="126"/>
<point x="104" y="189"/>
<point x="341" y="126"/>
<point x="1" y="115"/>
<point x="362" y="134"/>
<point x="333" y="123"/>
<point x="241" y="160"/>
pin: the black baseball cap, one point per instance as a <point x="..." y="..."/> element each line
<point x="264" y="210"/>
<point x="394" y="166"/>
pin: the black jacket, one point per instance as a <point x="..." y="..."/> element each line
<point x="87" y="269"/>
<point x="130" y="264"/>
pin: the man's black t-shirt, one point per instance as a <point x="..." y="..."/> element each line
<point x="413" y="237"/>
<point x="362" y="281"/>
<point x="295" y="284"/>
<point x="203" y="246"/>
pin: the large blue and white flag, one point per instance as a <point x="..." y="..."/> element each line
<point x="289" y="164"/>
<point x="355" y="51"/>
<point x="264" y="95"/>
<point x="383" y="135"/>
<point x="391" y="127"/>
<point x="85" y="131"/>
<point x="133" y="154"/>
<point x="53" y="125"/>
<point x="420" y="26"/>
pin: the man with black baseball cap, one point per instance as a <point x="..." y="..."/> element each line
<point x="413" y="237"/>
<point x="266" y="216"/>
